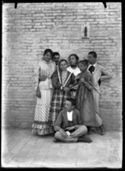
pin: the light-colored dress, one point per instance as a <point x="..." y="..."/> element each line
<point x="41" y="125"/>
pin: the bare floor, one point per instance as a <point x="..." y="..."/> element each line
<point x="22" y="149"/>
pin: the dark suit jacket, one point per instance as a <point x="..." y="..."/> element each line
<point x="62" y="120"/>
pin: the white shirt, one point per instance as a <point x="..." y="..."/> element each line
<point x="75" y="71"/>
<point x="69" y="115"/>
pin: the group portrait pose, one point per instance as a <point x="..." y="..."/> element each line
<point x="67" y="97"/>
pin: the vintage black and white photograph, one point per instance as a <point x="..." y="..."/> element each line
<point x="61" y="85"/>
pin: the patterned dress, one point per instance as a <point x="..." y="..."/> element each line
<point x="59" y="97"/>
<point x="40" y="125"/>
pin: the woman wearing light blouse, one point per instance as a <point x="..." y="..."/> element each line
<point x="44" y="93"/>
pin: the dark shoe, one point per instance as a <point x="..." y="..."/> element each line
<point x="91" y="130"/>
<point x="57" y="141"/>
<point x="101" y="130"/>
<point x="85" y="139"/>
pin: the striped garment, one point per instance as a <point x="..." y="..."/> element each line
<point x="59" y="95"/>
<point x="40" y="125"/>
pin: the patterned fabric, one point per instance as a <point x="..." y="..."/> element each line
<point x="57" y="103"/>
<point x="46" y="69"/>
<point x="40" y="125"/>
<point x="64" y="76"/>
<point x="59" y="96"/>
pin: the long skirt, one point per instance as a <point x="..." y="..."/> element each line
<point x="86" y="105"/>
<point x="41" y="124"/>
<point x="57" y="104"/>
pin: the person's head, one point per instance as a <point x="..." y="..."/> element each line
<point x="69" y="104"/>
<point x="56" y="57"/>
<point x="63" y="64"/>
<point x="73" y="60"/>
<point x="92" y="57"/>
<point x="83" y="65"/>
<point x="47" y="55"/>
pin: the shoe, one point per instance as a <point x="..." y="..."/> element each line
<point x="85" y="139"/>
<point x="101" y="130"/>
<point x="57" y="141"/>
<point x="91" y="130"/>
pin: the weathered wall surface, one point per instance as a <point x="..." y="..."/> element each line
<point x="33" y="27"/>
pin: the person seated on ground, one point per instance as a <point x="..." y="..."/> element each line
<point x="68" y="126"/>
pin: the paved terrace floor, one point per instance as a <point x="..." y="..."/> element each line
<point x="22" y="149"/>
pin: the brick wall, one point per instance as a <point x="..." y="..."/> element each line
<point x="33" y="27"/>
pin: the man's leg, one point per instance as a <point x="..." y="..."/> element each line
<point x="98" y="118"/>
<point x="60" y="137"/>
<point x="81" y="130"/>
<point x="80" y="133"/>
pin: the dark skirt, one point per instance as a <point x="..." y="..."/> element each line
<point x="86" y="105"/>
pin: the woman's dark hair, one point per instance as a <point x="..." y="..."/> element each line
<point x="63" y="60"/>
<point x="84" y="62"/>
<point x="48" y="50"/>
<point x="93" y="53"/>
<point x="76" y="56"/>
<point x="73" y="101"/>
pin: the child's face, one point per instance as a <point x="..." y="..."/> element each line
<point x="91" y="59"/>
<point x="68" y="105"/>
<point x="82" y="67"/>
<point x="63" y="66"/>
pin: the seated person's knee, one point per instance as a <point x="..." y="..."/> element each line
<point x="84" y="129"/>
<point x="57" y="135"/>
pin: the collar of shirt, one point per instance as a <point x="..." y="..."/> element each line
<point x="91" y="65"/>
<point x="75" y="71"/>
<point x="69" y="115"/>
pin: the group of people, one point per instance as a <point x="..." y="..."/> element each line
<point x="68" y="97"/>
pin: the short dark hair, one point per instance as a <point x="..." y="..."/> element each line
<point x="76" y="56"/>
<point x="55" y="53"/>
<point x="93" y="53"/>
<point x="73" y="101"/>
<point x="63" y="60"/>
<point x="84" y="62"/>
<point x="48" y="50"/>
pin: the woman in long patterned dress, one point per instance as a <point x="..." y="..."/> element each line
<point x="44" y="94"/>
<point x="62" y="81"/>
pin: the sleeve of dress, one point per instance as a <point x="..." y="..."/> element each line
<point x="87" y="82"/>
<point x="55" y="80"/>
